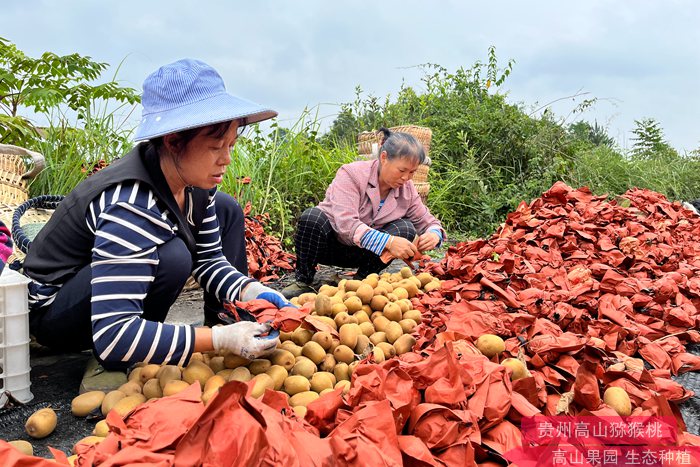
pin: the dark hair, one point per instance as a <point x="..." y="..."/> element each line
<point x="184" y="137"/>
<point x="401" y="145"/>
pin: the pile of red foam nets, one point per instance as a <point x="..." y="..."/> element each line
<point x="266" y="257"/>
<point x="590" y="293"/>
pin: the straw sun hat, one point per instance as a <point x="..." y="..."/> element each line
<point x="190" y="94"/>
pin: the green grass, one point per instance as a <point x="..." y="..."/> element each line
<point x="606" y="171"/>
<point x="289" y="172"/>
<point x="71" y="150"/>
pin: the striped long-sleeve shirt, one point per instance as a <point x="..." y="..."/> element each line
<point x="129" y="224"/>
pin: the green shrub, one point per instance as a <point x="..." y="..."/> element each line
<point x="489" y="155"/>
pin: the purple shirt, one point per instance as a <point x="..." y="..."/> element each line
<point x="352" y="203"/>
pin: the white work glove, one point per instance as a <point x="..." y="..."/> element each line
<point x="256" y="290"/>
<point x="243" y="338"/>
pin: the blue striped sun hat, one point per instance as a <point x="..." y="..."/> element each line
<point x="190" y="94"/>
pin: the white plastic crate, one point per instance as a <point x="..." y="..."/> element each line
<point x="14" y="337"/>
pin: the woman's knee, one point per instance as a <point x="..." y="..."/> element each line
<point x="313" y="218"/>
<point x="402" y="228"/>
<point x="313" y="215"/>
<point x="174" y="262"/>
<point x="174" y="268"/>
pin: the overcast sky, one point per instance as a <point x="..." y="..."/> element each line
<point x="639" y="58"/>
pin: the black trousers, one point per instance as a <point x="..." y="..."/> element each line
<point x="65" y="324"/>
<point x="317" y="243"/>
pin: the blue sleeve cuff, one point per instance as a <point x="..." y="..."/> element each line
<point x="374" y="241"/>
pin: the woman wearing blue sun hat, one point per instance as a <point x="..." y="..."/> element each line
<point x="120" y="247"/>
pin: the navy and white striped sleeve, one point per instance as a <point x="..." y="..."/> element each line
<point x="129" y="227"/>
<point x="212" y="270"/>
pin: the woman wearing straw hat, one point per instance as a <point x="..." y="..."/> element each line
<point x="118" y="250"/>
<point x="372" y="213"/>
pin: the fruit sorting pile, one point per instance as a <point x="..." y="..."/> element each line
<point x="366" y="321"/>
<point x="597" y="298"/>
<point x="576" y="306"/>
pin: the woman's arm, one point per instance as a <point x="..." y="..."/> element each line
<point x="342" y="205"/>
<point x="430" y="231"/>
<point x="212" y="270"/>
<point x="202" y="340"/>
<point x="128" y="228"/>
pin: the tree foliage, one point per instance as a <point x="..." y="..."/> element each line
<point x="594" y="135"/>
<point x="649" y="140"/>
<point x="44" y="83"/>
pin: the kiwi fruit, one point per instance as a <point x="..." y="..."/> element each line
<point x="518" y="368"/>
<point x="174" y="386"/>
<point x="490" y="345"/>
<point x="85" y="403"/>
<point x="404" y="344"/>
<point x="618" y="399"/>
<point x="41" y="423"/>
<point x="25" y="447"/>
<point x="303" y="398"/>
<point x="295" y="384"/>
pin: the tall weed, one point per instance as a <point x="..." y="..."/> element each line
<point x="607" y="171"/>
<point x="72" y="149"/>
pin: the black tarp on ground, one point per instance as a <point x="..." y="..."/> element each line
<point x="55" y="379"/>
<point x="690" y="409"/>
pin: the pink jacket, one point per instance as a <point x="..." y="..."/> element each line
<point x="352" y="202"/>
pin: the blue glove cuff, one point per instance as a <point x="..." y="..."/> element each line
<point x="276" y="299"/>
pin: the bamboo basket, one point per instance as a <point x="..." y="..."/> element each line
<point x="32" y="221"/>
<point x="14" y="177"/>
<point x="423" y="190"/>
<point x="421" y="175"/>
<point x="13" y="188"/>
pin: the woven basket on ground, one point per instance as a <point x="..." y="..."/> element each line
<point x="30" y="217"/>
<point x="17" y="167"/>
<point x="423" y="190"/>
<point x="368" y="146"/>
<point x="14" y="173"/>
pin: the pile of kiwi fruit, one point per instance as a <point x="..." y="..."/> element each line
<point x="357" y="319"/>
